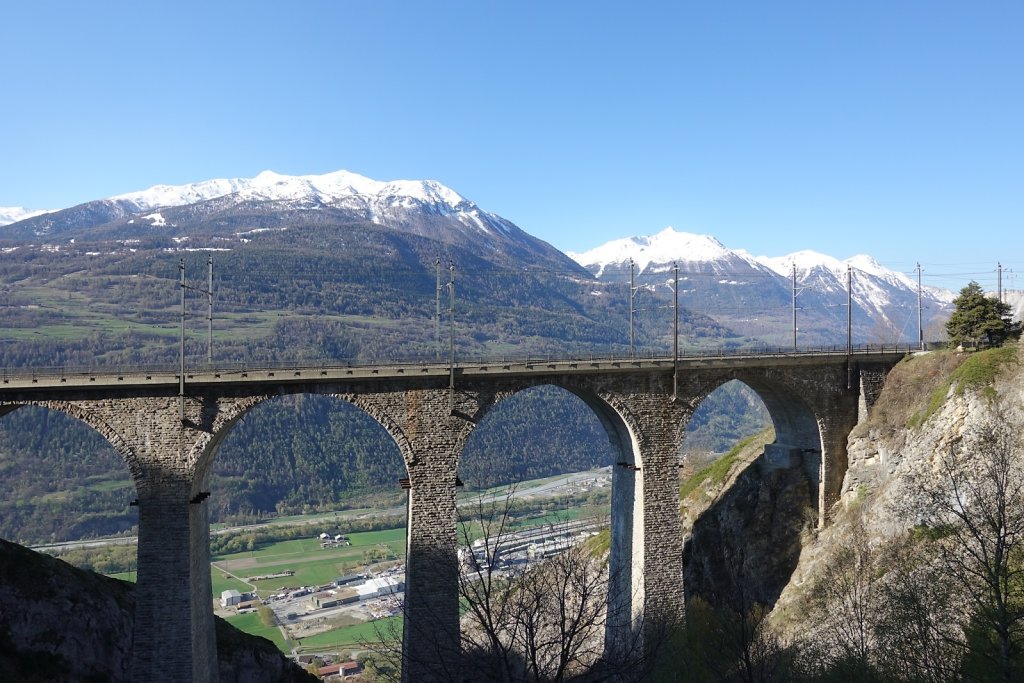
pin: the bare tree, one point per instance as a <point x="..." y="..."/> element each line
<point x="542" y="620"/>
<point x="536" y="621"/>
<point x="491" y="604"/>
<point x="727" y="643"/>
<point x="976" y="508"/>
<point x="544" y="623"/>
<point x="845" y="604"/>
<point x="920" y="625"/>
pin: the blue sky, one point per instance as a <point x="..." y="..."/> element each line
<point x="889" y="128"/>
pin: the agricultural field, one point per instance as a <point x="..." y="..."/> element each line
<point x="311" y="564"/>
<point x="349" y="636"/>
<point x="251" y="623"/>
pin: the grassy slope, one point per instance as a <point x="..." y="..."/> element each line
<point x="700" y="489"/>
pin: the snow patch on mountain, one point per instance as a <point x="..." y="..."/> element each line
<point x="13" y="214"/>
<point x="270" y="186"/>
<point x="868" y="275"/>
<point x="666" y="246"/>
<point x="806" y="262"/>
<point x="873" y="287"/>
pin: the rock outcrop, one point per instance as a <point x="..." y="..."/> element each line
<point x="744" y="548"/>
<point x="929" y="402"/>
<point x="58" y="622"/>
<point x="744" y="527"/>
<point x="751" y="535"/>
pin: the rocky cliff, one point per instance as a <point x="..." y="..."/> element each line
<point x="750" y="531"/>
<point x="745" y="524"/>
<point x="929" y="402"/>
<point x="59" y="623"/>
<point x="920" y="573"/>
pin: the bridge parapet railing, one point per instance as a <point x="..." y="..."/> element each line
<point x="171" y="369"/>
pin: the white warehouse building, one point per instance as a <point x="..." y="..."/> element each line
<point x="230" y="598"/>
<point x="384" y="585"/>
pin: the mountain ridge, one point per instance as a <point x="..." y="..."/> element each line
<point x="818" y="279"/>
<point x="751" y="295"/>
<point x="13" y="214"/>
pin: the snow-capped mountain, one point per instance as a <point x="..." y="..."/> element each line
<point x="666" y="247"/>
<point x="13" y="214"/>
<point x="380" y="202"/>
<point x="270" y="186"/>
<point x="874" y="288"/>
<point x="226" y="208"/>
<point x="407" y="220"/>
<point x="745" y="291"/>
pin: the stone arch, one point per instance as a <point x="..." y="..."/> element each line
<point x="115" y="459"/>
<point x="218" y="423"/>
<point x="96" y="422"/>
<point x="796" y="420"/>
<point x="620" y="424"/>
<point x="617" y="422"/>
<point x="744" y="546"/>
<point x="218" y="416"/>
<point x="229" y="412"/>
<point x="623" y="428"/>
<point x="394" y="430"/>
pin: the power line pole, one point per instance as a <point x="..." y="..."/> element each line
<point x="437" y="310"/>
<point x="675" y="330"/>
<point x="181" y="334"/>
<point x="209" y="299"/>
<point x="632" y="293"/>
<point x="920" y="326"/>
<point x="999" y="269"/>
<point x="849" y="325"/>
<point x="794" y="306"/>
<point x="181" y="344"/>
<point x="451" y="339"/>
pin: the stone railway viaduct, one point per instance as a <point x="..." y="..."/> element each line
<point x="169" y="440"/>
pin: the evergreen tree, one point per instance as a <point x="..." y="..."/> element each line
<point x="980" y="319"/>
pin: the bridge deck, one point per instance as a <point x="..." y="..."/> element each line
<point x="163" y="377"/>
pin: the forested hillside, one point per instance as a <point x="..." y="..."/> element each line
<point x="354" y="292"/>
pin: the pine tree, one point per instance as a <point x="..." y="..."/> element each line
<point x="980" y="319"/>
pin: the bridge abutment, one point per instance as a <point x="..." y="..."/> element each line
<point x="872" y="379"/>
<point x="837" y="418"/>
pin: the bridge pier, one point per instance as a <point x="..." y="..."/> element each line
<point x="204" y="642"/>
<point x="173" y="615"/>
<point x="646" y="562"/>
<point x="430" y="427"/>
<point x="662" y="533"/>
<point x="174" y="633"/>
<point x="431" y="639"/>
